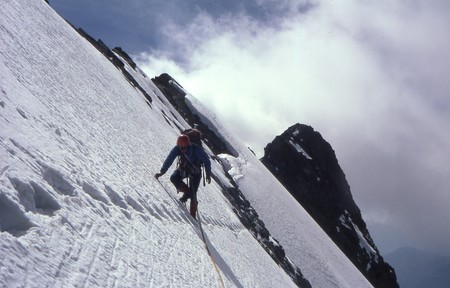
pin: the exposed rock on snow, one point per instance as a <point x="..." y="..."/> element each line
<point x="307" y="166"/>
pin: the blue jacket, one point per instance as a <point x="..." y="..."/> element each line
<point x="195" y="154"/>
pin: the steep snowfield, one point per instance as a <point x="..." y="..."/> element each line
<point x="306" y="244"/>
<point x="79" y="147"/>
<point x="79" y="206"/>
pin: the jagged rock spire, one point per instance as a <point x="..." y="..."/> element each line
<point x="307" y="166"/>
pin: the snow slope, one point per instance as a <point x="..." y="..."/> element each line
<point x="78" y="203"/>
<point x="79" y="206"/>
<point x="322" y="263"/>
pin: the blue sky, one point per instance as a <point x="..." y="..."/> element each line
<point x="371" y="77"/>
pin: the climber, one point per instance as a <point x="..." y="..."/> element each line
<point x="191" y="158"/>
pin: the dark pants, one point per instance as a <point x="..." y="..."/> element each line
<point x="177" y="179"/>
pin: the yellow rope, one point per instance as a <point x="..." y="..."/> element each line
<point x="203" y="237"/>
<point x="209" y="252"/>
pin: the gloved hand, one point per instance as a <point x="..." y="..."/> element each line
<point x="208" y="179"/>
<point x="157" y="175"/>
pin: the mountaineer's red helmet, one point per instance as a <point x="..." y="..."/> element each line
<point x="183" y="141"/>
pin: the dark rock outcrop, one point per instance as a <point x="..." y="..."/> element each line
<point x="176" y="95"/>
<point x="307" y="166"/>
<point x="116" y="61"/>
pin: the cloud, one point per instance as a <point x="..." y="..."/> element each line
<point x="306" y="67"/>
<point x="370" y="77"/>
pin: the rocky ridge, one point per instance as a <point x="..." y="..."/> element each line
<point x="307" y="166"/>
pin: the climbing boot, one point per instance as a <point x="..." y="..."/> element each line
<point x="193" y="208"/>
<point x="186" y="192"/>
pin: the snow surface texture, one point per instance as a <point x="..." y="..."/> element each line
<point x="79" y="206"/>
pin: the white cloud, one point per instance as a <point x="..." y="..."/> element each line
<point x="371" y="78"/>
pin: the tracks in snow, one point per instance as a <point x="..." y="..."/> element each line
<point x="161" y="238"/>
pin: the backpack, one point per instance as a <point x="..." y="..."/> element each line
<point x="195" y="136"/>
<point x="186" y="168"/>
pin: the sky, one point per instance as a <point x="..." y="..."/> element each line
<point x="79" y="206"/>
<point x="371" y="77"/>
